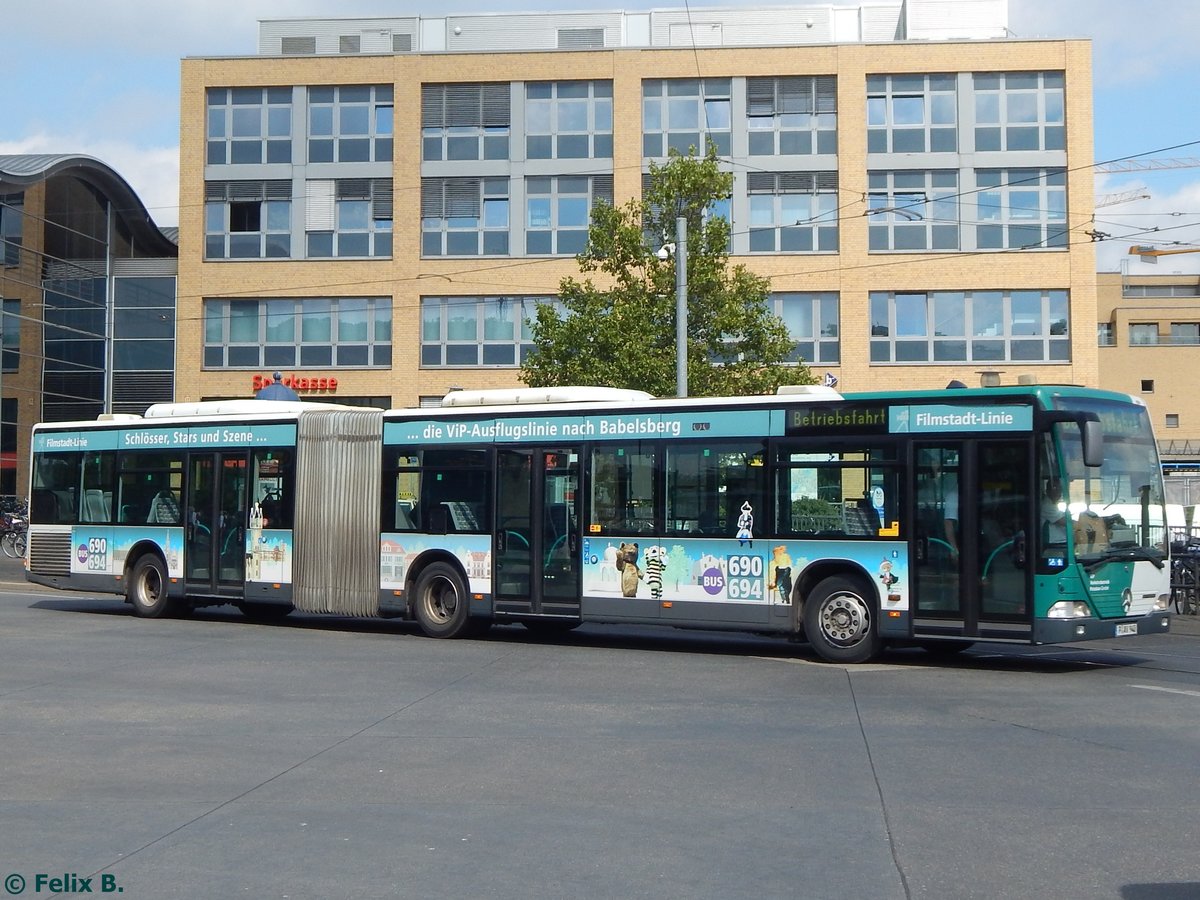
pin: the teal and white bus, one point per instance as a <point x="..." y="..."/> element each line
<point x="1025" y="514"/>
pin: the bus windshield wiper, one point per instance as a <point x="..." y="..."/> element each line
<point x="1150" y="554"/>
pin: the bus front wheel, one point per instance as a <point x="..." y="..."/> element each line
<point x="840" y="621"/>
<point x="441" y="604"/>
<point x="147" y="591"/>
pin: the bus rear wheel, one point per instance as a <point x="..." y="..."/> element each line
<point x="840" y="621"/>
<point x="147" y="589"/>
<point x="440" y="603"/>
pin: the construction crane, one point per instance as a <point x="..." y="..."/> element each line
<point x="1149" y="165"/>
<point x="1151" y="254"/>
<point x="1140" y="193"/>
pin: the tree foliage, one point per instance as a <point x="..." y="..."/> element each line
<point x="622" y="334"/>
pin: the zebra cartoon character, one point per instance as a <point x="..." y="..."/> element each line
<point x="656" y="561"/>
<point x="745" y="525"/>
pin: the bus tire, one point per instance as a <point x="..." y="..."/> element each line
<point x="440" y="602"/>
<point x="840" y="621"/>
<point x="147" y="589"/>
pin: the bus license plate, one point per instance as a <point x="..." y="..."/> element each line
<point x="1125" y="628"/>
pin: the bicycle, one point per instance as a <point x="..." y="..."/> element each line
<point x="1185" y="592"/>
<point x="15" y="539"/>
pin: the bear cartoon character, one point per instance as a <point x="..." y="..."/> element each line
<point x="627" y="565"/>
<point x="779" y="573"/>
<point x="656" y="561"/>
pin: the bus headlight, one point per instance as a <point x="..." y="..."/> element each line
<point x="1162" y="603"/>
<point x="1069" y="609"/>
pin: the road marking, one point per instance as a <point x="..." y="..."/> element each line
<point x="1165" y="690"/>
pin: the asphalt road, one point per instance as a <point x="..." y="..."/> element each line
<point x="327" y="758"/>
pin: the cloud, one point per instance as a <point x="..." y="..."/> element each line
<point x="1131" y="44"/>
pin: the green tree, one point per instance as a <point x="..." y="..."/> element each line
<point x="622" y="334"/>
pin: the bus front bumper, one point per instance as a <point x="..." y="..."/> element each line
<point x="1064" y="631"/>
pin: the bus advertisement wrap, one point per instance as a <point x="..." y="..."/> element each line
<point x="724" y="570"/>
<point x="712" y="424"/>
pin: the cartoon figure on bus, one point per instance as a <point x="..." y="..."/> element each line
<point x="745" y="526"/>
<point x="656" y="561"/>
<point x="779" y="573"/>
<point x="627" y="565"/>
<point x="886" y="575"/>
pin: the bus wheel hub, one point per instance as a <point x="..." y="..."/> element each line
<point x="844" y="619"/>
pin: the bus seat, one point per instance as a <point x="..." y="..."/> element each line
<point x="95" y="507"/>
<point x="861" y="518"/>
<point x="461" y="515"/>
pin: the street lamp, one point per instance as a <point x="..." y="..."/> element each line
<point x="679" y="251"/>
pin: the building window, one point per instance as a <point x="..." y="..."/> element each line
<point x="465" y="121"/>
<point x="812" y="322"/>
<point x="1104" y="335"/>
<point x="971" y="326"/>
<point x="685" y="113"/>
<point x="793" y="212"/>
<point x="143" y="342"/>
<point x="568" y="120"/>
<point x="349" y="217"/>
<point x="1021" y="209"/>
<point x="12" y="214"/>
<point x="1172" y="420"/>
<point x="913" y="210"/>
<point x="558" y="211"/>
<point x="464" y="216"/>
<point x="1019" y="111"/>
<point x="73" y="348"/>
<point x="350" y="123"/>
<point x="792" y="115"/>
<point x="10" y="335"/>
<point x="477" y="331"/>
<point x="1160" y="290"/>
<point x="247" y="219"/>
<point x="249" y="125"/>
<point x="342" y="332"/>
<point x="1185" y="334"/>
<point x="1143" y="333"/>
<point x="912" y="113"/>
<point x="1147" y="385"/>
<point x="9" y="411"/>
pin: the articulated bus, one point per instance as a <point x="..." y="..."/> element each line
<point x="1026" y="514"/>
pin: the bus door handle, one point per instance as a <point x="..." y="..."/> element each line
<point x="572" y="542"/>
<point x="922" y="549"/>
<point x="501" y="542"/>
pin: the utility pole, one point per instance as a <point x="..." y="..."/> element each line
<point x="681" y="362"/>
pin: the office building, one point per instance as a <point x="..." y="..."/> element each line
<point x="373" y="206"/>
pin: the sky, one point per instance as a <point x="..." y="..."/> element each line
<point x="102" y="79"/>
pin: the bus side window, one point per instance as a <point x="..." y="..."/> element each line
<point x="273" y="486"/>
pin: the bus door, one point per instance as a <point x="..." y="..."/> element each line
<point x="537" y="532"/>
<point x="215" y="541"/>
<point x="974" y="509"/>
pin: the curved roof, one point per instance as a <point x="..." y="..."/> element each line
<point x="30" y="168"/>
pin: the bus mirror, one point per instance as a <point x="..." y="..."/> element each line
<point x="1093" y="443"/>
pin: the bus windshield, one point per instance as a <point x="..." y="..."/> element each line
<point x="1118" y="507"/>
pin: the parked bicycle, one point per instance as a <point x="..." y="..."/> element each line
<point x="14" y="538"/>
<point x="1185" y="577"/>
